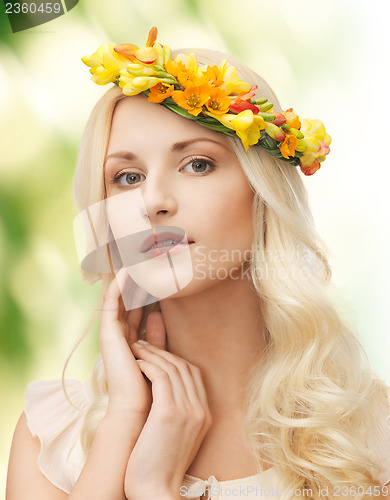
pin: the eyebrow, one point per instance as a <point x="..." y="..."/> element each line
<point x="178" y="146"/>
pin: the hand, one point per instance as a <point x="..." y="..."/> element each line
<point x="128" y="390"/>
<point x="174" y="430"/>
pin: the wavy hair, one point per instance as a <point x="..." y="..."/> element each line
<point x="313" y="405"/>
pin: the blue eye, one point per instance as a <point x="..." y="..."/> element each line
<point x="199" y="166"/>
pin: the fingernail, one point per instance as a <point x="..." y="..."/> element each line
<point x="140" y="341"/>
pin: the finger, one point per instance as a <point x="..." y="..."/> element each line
<point x="183" y="386"/>
<point x="162" y="392"/>
<point x="139" y="361"/>
<point x="114" y="310"/>
<point x="127" y="289"/>
<point x="178" y="387"/>
<point x="110" y="309"/>
<point x="196" y="376"/>
<point x="155" y="330"/>
<point x="131" y="294"/>
<point x="133" y="319"/>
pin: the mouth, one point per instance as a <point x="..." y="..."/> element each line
<point x="164" y="240"/>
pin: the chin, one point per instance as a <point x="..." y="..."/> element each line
<point x="165" y="275"/>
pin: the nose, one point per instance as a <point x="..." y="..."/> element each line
<point x="159" y="197"/>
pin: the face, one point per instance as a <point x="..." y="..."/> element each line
<point x="166" y="174"/>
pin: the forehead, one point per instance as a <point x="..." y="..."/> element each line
<point x="137" y="121"/>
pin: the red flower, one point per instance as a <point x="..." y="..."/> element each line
<point x="311" y="169"/>
<point x="239" y="105"/>
<point x="279" y="119"/>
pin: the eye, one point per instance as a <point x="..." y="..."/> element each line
<point x="199" y="166"/>
<point x="130" y="178"/>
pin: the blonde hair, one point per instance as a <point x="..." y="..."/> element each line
<point x="312" y="401"/>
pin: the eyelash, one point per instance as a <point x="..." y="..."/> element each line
<point x="116" y="178"/>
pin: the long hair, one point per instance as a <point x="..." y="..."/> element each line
<point x="313" y="405"/>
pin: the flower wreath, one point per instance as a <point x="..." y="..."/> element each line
<point x="213" y="96"/>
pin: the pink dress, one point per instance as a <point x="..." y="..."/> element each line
<point x="58" y="425"/>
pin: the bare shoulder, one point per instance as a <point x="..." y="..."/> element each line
<point x="24" y="479"/>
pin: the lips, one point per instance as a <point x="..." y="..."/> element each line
<point x="171" y="237"/>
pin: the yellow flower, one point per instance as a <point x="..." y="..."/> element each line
<point x="219" y="102"/>
<point x="164" y="53"/>
<point x="189" y="61"/>
<point x="246" y="125"/>
<point x="105" y="64"/>
<point x="132" y="85"/>
<point x="226" y="119"/>
<point x="193" y="98"/>
<point x="160" y="92"/>
<point x="314" y="131"/>
<point x="246" y="129"/>
<point x="274" y="132"/>
<point x="139" y="69"/>
<point x="309" y="156"/>
<point x="310" y="161"/>
<point x="289" y="145"/>
<point x="231" y="83"/>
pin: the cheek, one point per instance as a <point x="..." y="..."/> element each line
<point x="124" y="213"/>
<point x="235" y="216"/>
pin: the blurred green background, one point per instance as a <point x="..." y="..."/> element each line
<point x="325" y="58"/>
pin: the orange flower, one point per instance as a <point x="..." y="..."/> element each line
<point x="146" y="55"/>
<point x="193" y="98"/>
<point x="292" y="119"/>
<point x="219" y="102"/>
<point x="288" y="147"/>
<point x="213" y="75"/>
<point x="152" y="37"/>
<point x="310" y="169"/>
<point x="188" y="78"/>
<point x="160" y="92"/>
<point x="186" y="75"/>
<point x="127" y="50"/>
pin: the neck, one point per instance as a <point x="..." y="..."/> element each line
<point x="219" y="330"/>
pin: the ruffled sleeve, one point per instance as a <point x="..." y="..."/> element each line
<point x="58" y="424"/>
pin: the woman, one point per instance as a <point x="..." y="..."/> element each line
<point x="250" y="383"/>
